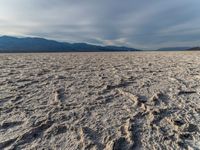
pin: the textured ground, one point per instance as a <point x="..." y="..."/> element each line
<point x="100" y="101"/>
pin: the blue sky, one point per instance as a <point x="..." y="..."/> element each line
<point x="147" y="24"/>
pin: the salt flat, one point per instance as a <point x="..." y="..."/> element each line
<point x="141" y="100"/>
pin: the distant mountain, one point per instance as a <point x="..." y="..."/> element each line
<point x="14" y="44"/>
<point x="194" y="49"/>
<point x="174" y="48"/>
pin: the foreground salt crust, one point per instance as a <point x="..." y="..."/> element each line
<point x="100" y="101"/>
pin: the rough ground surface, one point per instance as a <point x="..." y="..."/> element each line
<point x="100" y="101"/>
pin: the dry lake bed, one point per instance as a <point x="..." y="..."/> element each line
<point x="113" y="101"/>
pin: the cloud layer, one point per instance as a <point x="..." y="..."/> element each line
<point x="145" y="24"/>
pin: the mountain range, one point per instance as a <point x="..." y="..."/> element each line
<point x="29" y="44"/>
<point x="9" y="44"/>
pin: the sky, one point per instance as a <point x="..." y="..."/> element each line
<point x="146" y="24"/>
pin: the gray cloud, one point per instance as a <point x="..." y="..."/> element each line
<point x="143" y="24"/>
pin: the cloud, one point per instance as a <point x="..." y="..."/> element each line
<point x="142" y="24"/>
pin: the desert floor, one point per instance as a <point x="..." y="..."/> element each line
<point x="139" y="100"/>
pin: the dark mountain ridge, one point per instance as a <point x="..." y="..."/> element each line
<point x="29" y="44"/>
<point x="194" y="49"/>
